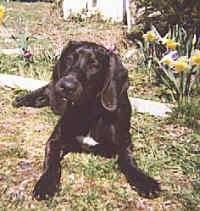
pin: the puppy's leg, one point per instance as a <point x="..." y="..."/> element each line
<point x="114" y="139"/>
<point x="60" y="143"/>
<point x="37" y="98"/>
<point x="144" y="184"/>
<point x="49" y="181"/>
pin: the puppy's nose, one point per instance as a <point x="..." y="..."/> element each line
<point x="68" y="86"/>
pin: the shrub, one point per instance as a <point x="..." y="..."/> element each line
<point x="187" y="114"/>
<point x="165" y="13"/>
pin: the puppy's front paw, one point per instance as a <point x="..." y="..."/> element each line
<point x="45" y="188"/>
<point x="148" y="187"/>
<point x="19" y="101"/>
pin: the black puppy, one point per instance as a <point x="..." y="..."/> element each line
<point x="89" y="90"/>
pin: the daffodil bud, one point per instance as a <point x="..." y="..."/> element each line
<point x="2" y="13"/>
<point x="194" y="40"/>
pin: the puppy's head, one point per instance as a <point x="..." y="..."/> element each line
<point x="86" y="71"/>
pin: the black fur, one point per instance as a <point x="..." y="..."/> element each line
<point x="89" y="90"/>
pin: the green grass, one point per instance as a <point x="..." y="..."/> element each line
<point x="165" y="150"/>
<point x="39" y="68"/>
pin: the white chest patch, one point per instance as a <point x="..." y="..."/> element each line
<point x="87" y="140"/>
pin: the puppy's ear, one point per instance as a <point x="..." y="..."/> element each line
<point x="115" y="85"/>
<point x="109" y="91"/>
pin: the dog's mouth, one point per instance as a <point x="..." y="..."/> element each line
<point x="69" y="95"/>
<point x="72" y="97"/>
<point x="62" y="102"/>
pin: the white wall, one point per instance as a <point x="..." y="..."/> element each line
<point x="109" y="9"/>
<point x="73" y="7"/>
<point x="112" y="9"/>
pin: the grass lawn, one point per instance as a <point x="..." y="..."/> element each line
<point x="166" y="151"/>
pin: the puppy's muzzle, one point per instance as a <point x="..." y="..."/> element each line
<point x="69" y="87"/>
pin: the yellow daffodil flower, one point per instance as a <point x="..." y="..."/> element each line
<point x="195" y="58"/>
<point x="2" y="13"/>
<point x="180" y="64"/>
<point x="170" y="44"/>
<point x="150" y="36"/>
<point x="167" y="60"/>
